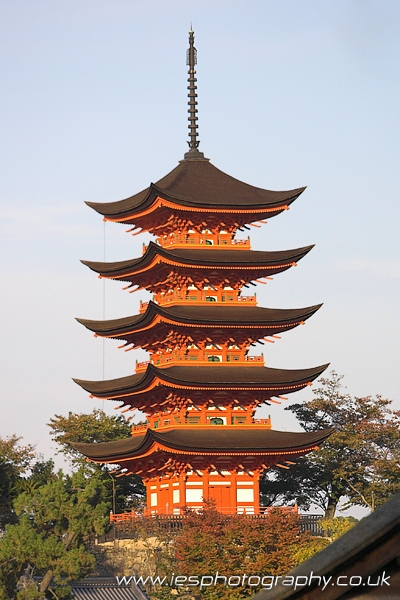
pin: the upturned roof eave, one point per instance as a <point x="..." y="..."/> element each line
<point x="260" y="259"/>
<point x="137" y="383"/>
<point x="117" y="327"/>
<point x="129" y="207"/>
<point x="207" y="441"/>
<point x="216" y="446"/>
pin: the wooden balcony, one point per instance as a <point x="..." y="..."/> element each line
<point x="198" y="360"/>
<point x="193" y="419"/>
<point x="263" y="512"/>
<point x="220" y="297"/>
<point x="248" y="299"/>
<point x="143" y="307"/>
<point x="203" y="240"/>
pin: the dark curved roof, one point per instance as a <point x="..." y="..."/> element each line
<point x="199" y="377"/>
<point x="197" y="183"/>
<point x="210" y="439"/>
<point x="101" y="588"/>
<point x="222" y="316"/>
<point x="198" y="258"/>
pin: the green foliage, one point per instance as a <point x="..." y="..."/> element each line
<point x="55" y="521"/>
<point x="30" y="592"/>
<point x="311" y="546"/>
<point x="19" y="457"/>
<point x="67" y="503"/>
<point x="334" y="528"/>
<point x="360" y="461"/>
<point x="87" y="428"/>
<point x="128" y="492"/>
<point x="15" y="462"/>
<point x="41" y="472"/>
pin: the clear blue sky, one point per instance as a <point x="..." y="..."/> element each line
<point x="93" y="106"/>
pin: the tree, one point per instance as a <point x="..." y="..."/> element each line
<point x="335" y="528"/>
<point x="360" y="461"/>
<point x="42" y="471"/>
<point x="15" y="462"/>
<point x="233" y="546"/>
<point x="56" y="521"/>
<point x="21" y="469"/>
<point x="87" y="428"/>
<point x="125" y="492"/>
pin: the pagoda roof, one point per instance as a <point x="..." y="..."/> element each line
<point x="197" y="184"/>
<point x="202" y="316"/>
<point x="215" y="377"/>
<point x="207" y="258"/>
<point x="212" y="440"/>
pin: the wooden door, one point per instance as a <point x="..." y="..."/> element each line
<point x="220" y="493"/>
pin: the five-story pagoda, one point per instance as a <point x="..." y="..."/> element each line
<point x="201" y="387"/>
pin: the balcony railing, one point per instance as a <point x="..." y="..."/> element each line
<point x="262" y="512"/>
<point x="143" y="306"/>
<point x="204" y="240"/>
<point x="225" y="510"/>
<point x="142" y="366"/>
<point x="160" y="423"/>
<point x="140" y="427"/>
<point x="123" y="524"/>
<point x="204" y="296"/>
<point x="232" y="360"/>
<point x="262" y="422"/>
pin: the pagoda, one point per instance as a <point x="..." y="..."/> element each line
<point x="200" y="388"/>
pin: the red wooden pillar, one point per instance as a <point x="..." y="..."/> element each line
<point x="206" y="484"/>
<point x="182" y="489"/>
<point x="233" y="497"/>
<point x="256" y="479"/>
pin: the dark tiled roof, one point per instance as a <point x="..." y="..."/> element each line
<point x="106" y="588"/>
<point x="197" y="183"/>
<point x="223" y="316"/>
<point x="103" y="593"/>
<point x="210" y="439"/>
<point x="200" y="257"/>
<point x="199" y="377"/>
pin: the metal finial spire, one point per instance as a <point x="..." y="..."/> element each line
<point x="191" y="61"/>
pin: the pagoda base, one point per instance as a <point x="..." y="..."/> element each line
<point x="231" y="492"/>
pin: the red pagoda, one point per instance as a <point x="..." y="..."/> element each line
<point x="200" y="388"/>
